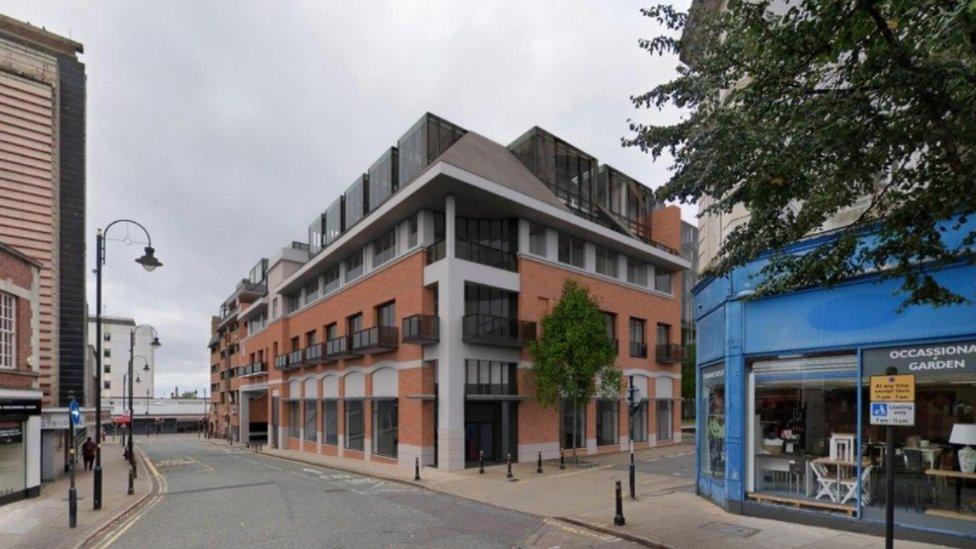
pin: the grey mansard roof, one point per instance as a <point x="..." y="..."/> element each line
<point x="483" y="157"/>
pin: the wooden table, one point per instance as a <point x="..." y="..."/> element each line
<point x="958" y="475"/>
<point x="840" y="464"/>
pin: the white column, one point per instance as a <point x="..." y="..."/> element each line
<point x="450" y="363"/>
<point x="32" y="440"/>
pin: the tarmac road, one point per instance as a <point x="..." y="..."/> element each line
<point x="217" y="496"/>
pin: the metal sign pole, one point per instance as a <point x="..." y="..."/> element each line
<point x="890" y="480"/>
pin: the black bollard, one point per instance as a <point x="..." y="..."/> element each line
<point x="416" y="469"/>
<point x="481" y="462"/>
<point x="509" y="475"/>
<point x="538" y="464"/>
<point x="562" y="459"/>
<point x="633" y="475"/>
<point x="618" y="519"/>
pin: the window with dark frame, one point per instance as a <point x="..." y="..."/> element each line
<point x="638" y="343"/>
<point x="385" y="425"/>
<point x="606" y="262"/>
<point x="384" y="248"/>
<point x="311" y="426"/>
<point x="537" y="239"/>
<point x="571" y="250"/>
<point x="354" y="265"/>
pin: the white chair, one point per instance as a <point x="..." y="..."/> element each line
<point x="842" y="447"/>
<point x="826" y="483"/>
<point x="850" y="485"/>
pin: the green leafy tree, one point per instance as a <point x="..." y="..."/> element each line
<point x="574" y="359"/>
<point x="801" y="112"/>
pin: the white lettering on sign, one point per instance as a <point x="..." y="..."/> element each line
<point x="937" y="365"/>
<point x="938" y="351"/>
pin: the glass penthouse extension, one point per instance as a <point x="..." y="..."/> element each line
<point x="427" y="139"/>
<point x="357" y="200"/>
<point x="623" y="202"/>
<point x="383" y="178"/>
<point x="566" y="170"/>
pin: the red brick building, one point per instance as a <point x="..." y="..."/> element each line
<point x="400" y="329"/>
<point x="20" y="394"/>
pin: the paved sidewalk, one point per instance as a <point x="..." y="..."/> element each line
<point x="43" y="521"/>
<point x="667" y="512"/>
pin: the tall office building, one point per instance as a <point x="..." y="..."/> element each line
<point x="115" y="358"/>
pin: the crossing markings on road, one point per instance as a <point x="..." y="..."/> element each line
<point x="603" y="538"/>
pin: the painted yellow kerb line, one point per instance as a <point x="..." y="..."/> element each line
<point x="163" y="487"/>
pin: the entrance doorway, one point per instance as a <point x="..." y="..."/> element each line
<point x="490" y="427"/>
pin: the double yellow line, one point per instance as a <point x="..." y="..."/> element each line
<point x="162" y="488"/>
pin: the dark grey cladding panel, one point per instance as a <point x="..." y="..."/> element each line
<point x="71" y="245"/>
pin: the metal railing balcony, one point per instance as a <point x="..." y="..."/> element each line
<point x="284" y="363"/>
<point x="496" y="330"/>
<point x="670" y="353"/>
<point x="638" y="349"/>
<point x="312" y="354"/>
<point x="339" y="348"/>
<point x="421" y="329"/>
<point x="378" y="339"/>
<point x="486" y="255"/>
<point x="253" y="368"/>
<point x="436" y="251"/>
<point x="295" y="358"/>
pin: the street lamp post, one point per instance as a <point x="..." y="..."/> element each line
<point x="132" y="358"/>
<point x="149" y="262"/>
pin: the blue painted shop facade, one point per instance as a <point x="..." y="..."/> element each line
<point x="783" y="425"/>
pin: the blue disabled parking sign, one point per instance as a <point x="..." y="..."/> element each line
<point x="900" y="414"/>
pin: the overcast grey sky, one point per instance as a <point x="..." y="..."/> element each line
<point x="225" y="126"/>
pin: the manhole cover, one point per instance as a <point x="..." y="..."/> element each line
<point x="730" y="529"/>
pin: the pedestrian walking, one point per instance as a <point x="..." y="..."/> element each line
<point x="88" y="453"/>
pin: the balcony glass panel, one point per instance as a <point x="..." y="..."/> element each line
<point x="315" y="229"/>
<point x="334" y="221"/>
<point x="357" y="204"/>
<point x="375" y="339"/>
<point x="421" y="329"/>
<point x="383" y="178"/>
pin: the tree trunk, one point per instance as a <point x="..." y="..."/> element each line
<point x="575" y="430"/>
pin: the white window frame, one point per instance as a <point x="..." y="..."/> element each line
<point x="8" y="331"/>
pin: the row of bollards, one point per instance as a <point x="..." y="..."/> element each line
<point x="618" y="517"/>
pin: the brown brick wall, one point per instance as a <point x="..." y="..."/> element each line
<point x="16" y="271"/>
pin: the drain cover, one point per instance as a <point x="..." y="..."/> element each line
<point x="730" y="529"/>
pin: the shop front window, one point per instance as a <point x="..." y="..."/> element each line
<point x="385" y="427"/>
<point x="311" y="428"/>
<point x="639" y="417"/>
<point x="294" y="418"/>
<point x="606" y="422"/>
<point x="802" y="430"/>
<point x="330" y="409"/>
<point x="935" y="482"/>
<point x="712" y="454"/>
<point x="13" y="467"/>
<point x="355" y="427"/>
<point x="567" y="426"/>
